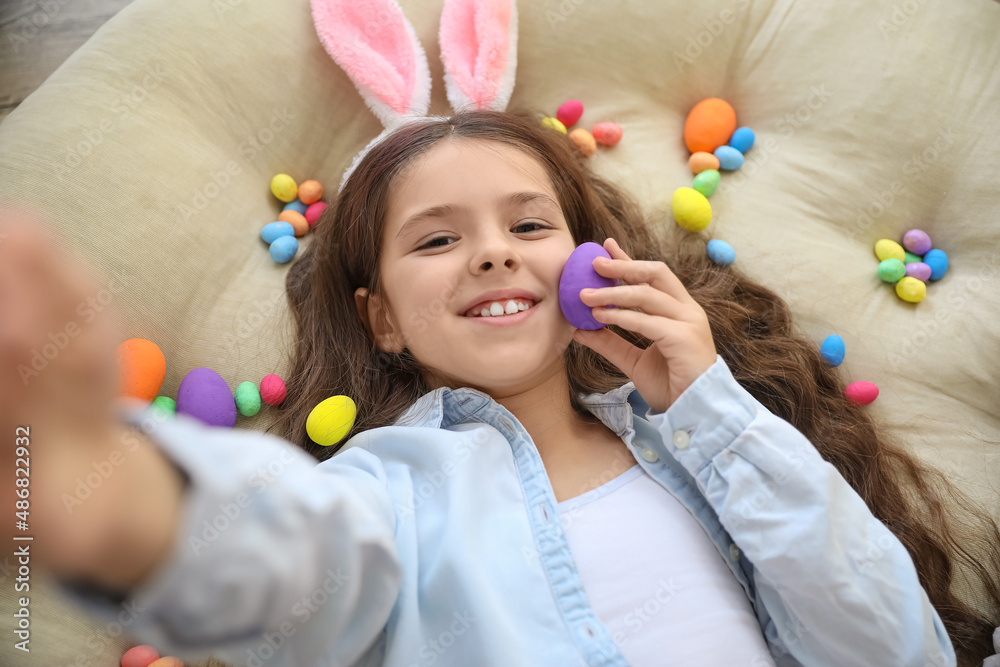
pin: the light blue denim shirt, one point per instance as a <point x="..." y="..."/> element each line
<point x="436" y="541"/>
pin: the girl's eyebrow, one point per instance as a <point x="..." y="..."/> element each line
<point x="510" y="200"/>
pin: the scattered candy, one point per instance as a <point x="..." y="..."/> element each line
<point x="139" y="656"/>
<point x="721" y="252"/>
<point x="584" y="141"/>
<point x="579" y="273"/>
<point x="917" y="241"/>
<point x="310" y="192"/>
<point x="910" y="289"/>
<point x="141" y="368"/>
<point x="938" y="261"/>
<point x="833" y="350"/>
<point x="691" y="209"/>
<point x="296" y="220"/>
<point x="570" y="112"/>
<point x="284" y="248"/>
<point x="702" y="161"/>
<point x="247" y="399"/>
<point x="273" y="230"/>
<point x="607" y="133"/>
<point x="890" y="270"/>
<point x="729" y="158"/>
<point x="742" y="139"/>
<point x="861" y="393"/>
<point x="918" y="270"/>
<point x="331" y="420"/>
<point x="554" y="123"/>
<point x="313" y="213"/>
<point x="297" y="205"/>
<point x="886" y="248"/>
<point x="204" y="395"/>
<point x="706" y="182"/>
<point x="284" y="188"/>
<point x="709" y="125"/>
<point x="272" y="389"/>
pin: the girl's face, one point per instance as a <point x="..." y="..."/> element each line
<point x="467" y="218"/>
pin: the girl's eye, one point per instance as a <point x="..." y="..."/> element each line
<point x="444" y="238"/>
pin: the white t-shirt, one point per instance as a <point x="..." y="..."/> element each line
<point x="655" y="579"/>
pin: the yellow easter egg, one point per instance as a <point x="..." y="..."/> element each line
<point x="331" y="420"/>
<point x="889" y="249"/>
<point x="910" y="289"/>
<point x="691" y="209"/>
<point x="554" y="123"/>
<point x="284" y="188"/>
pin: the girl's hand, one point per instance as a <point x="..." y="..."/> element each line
<point x="682" y="347"/>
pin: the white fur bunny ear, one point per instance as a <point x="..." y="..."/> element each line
<point x="376" y="45"/>
<point x="479" y="50"/>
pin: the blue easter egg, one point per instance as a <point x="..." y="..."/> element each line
<point x="729" y="158"/>
<point x="833" y="349"/>
<point x="742" y="139"/>
<point x="721" y="252"/>
<point x="273" y="230"/>
<point x="938" y="261"/>
<point x="284" y="248"/>
<point x="295" y="205"/>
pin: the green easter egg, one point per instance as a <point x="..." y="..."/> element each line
<point x="247" y="399"/>
<point x="911" y="258"/>
<point x="890" y="270"/>
<point x="165" y="404"/>
<point x="706" y="182"/>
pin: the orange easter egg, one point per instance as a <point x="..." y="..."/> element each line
<point x="141" y="369"/>
<point x="296" y="220"/>
<point x="310" y="192"/>
<point x="168" y="661"/>
<point x="709" y="125"/>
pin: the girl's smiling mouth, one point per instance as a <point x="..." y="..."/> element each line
<point x="508" y="317"/>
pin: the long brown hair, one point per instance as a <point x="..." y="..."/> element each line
<point x="334" y="354"/>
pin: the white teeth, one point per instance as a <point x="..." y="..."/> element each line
<point x="497" y="308"/>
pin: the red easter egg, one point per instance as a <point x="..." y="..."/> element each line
<point x="861" y="393"/>
<point x="570" y="112"/>
<point x="313" y="213"/>
<point x="607" y="134"/>
<point x="709" y="125"/>
<point x="272" y="389"/>
<point x="139" y="656"/>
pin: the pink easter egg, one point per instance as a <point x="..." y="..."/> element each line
<point x="313" y="213"/>
<point x="570" y="112"/>
<point x="919" y="270"/>
<point x="607" y="134"/>
<point x="140" y="656"/>
<point x="272" y="390"/>
<point x="917" y="242"/>
<point x="861" y="393"/>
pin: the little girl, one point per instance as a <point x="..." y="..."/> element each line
<point x="514" y="491"/>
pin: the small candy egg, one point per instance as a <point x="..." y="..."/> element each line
<point x="272" y="389"/>
<point x="890" y="270"/>
<point x="283" y="248"/>
<point x="554" y="123"/>
<point x="607" y="133"/>
<point x="917" y="241"/>
<point x="204" y="395"/>
<point x="584" y="141"/>
<point x="579" y="273"/>
<point x="297" y="205"/>
<point x="938" y="261"/>
<point x="918" y="270"/>
<point x="886" y="248"/>
<point x="313" y="213"/>
<point x="730" y="159"/>
<point x="720" y="252"/>
<point x="296" y="220"/>
<point x="310" y="192"/>
<point x="910" y="258"/>
<point x="165" y="405"/>
<point x="331" y="420"/>
<point x="702" y="161"/>
<point x="709" y="125"/>
<point x="911" y="289"/>
<point x="833" y="350"/>
<point x="247" y="399"/>
<point x="141" y="368"/>
<point x="168" y="661"/>
<point x="569" y="112"/>
<point x="742" y="139"/>
<point x="691" y="209"/>
<point x="861" y="393"/>
<point x="139" y="656"/>
<point x="706" y="182"/>
<point x="284" y="188"/>
<point x="273" y="230"/>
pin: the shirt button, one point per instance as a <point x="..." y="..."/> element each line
<point x="734" y="552"/>
<point x="681" y="439"/>
<point x="650" y="455"/>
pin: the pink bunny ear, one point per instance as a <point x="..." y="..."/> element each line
<point x="479" y="49"/>
<point x="374" y="43"/>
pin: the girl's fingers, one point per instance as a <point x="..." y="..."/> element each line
<point x="636" y="272"/>
<point x="645" y="297"/>
<point x="653" y="328"/>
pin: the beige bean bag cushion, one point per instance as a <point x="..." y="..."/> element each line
<point x="151" y="150"/>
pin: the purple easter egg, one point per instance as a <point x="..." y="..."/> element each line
<point x="204" y="395"/>
<point x="919" y="270"/>
<point x="578" y="274"/>
<point x="917" y="241"/>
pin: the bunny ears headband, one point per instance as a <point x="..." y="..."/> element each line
<point x="376" y="45"/>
